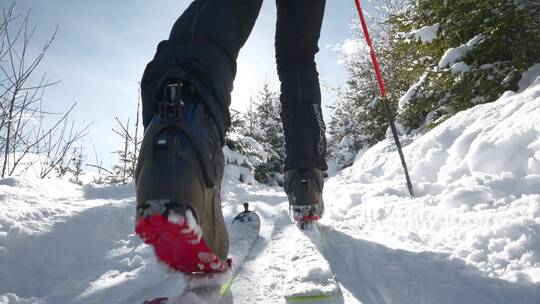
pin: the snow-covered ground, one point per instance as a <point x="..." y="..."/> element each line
<point x="472" y="234"/>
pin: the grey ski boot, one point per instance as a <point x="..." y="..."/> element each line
<point x="304" y="189"/>
<point x="178" y="181"/>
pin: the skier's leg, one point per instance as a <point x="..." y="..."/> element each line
<point x="202" y="47"/>
<point x="297" y="35"/>
<point x="186" y="93"/>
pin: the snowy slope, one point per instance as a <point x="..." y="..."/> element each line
<point x="472" y="234"/>
<point x="62" y="243"/>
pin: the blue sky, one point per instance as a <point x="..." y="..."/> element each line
<point x="103" y="46"/>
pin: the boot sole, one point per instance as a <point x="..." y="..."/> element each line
<point x="178" y="243"/>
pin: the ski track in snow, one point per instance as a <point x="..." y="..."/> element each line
<point x="472" y="234"/>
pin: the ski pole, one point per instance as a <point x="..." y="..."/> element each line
<point x="386" y="104"/>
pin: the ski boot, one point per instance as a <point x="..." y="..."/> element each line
<point x="178" y="181"/>
<point x="304" y="190"/>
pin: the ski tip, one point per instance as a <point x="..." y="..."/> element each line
<point x="246" y="216"/>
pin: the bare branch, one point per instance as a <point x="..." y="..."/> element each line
<point x="100" y="168"/>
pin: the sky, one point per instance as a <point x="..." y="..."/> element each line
<point x="103" y="46"/>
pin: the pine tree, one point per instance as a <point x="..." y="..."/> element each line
<point x="263" y="123"/>
<point x="238" y="123"/>
<point x="242" y="152"/>
<point x="358" y="118"/>
<point x="480" y="50"/>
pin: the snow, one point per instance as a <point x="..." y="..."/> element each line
<point x="471" y="235"/>
<point x="309" y="273"/>
<point x="530" y="77"/>
<point x="452" y="55"/>
<point x="405" y="99"/>
<point x="478" y="183"/>
<point x="12" y="298"/>
<point x="426" y="34"/>
<point x="460" y="68"/>
<point x="351" y="49"/>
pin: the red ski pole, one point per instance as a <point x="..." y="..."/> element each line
<point x="384" y="98"/>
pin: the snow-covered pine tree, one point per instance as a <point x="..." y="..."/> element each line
<point x="250" y="119"/>
<point x="242" y="152"/>
<point x="344" y="123"/>
<point x="238" y="123"/>
<point x="457" y="54"/>
<point x="358" y="118"/>
<point x="263" y="123"/>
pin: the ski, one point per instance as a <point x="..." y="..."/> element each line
<point x="214" y="287"/>
<point x="310" y="278"/>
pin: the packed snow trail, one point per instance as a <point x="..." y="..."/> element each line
<point x="472" y="235"/>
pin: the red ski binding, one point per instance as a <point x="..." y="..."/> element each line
<point x="178" y="242"/>
<point x="302" y="214"/>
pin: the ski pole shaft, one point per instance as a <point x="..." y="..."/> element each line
<point x="371" y="50"/>
<point x="386" y="104"/>
<point x="398" y="144"/>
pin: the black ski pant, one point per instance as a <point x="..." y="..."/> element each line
<point x="203" y="47"/>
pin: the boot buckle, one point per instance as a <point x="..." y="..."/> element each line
<point x="172" y="103"/>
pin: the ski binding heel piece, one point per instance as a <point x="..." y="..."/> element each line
<point x="304" y="213"/>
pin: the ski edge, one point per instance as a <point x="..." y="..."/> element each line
<point x="226" y="287"/>
<point x="312" y="298"/>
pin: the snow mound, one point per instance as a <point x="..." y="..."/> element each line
<point x="477" y="180"/>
